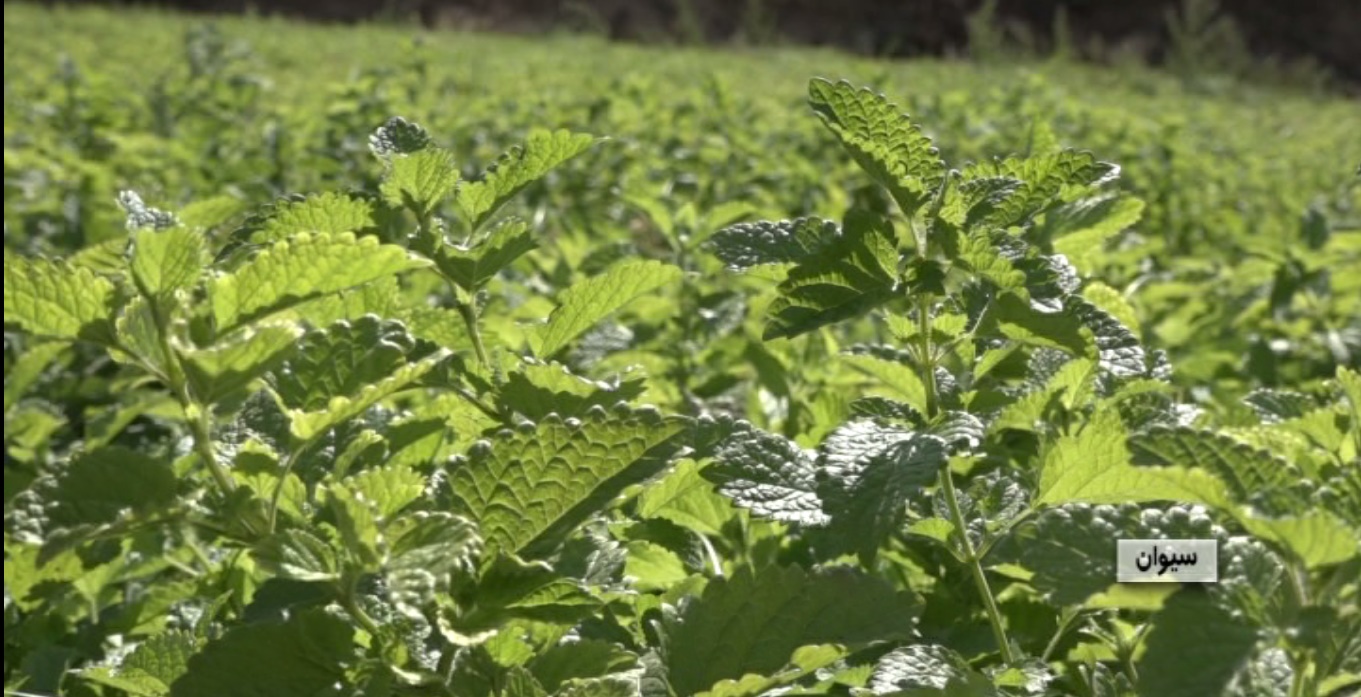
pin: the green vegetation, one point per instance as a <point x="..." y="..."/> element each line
<point x="343" y="365"/>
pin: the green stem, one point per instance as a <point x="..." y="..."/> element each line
<point x="928" y="361"/>
<point x="974" y="562"/>
<point x="469" y="315"/>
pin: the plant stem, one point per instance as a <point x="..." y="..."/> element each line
<point x="469" y="315"/>
<point x="928" y="361"/>
<point x="974" y="562"/>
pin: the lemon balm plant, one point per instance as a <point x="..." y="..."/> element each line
<point x="372" y="458"/>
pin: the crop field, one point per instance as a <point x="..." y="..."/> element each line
<point x="367" y="361"/>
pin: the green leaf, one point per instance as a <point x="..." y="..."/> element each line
<point x="338" y="373"/>
<point x="419" y="181"/>
<point x="1045" y="176"/>
<point x="752" y="622"/>
<point x="434" y="543"/>
<point x="687" y="499"/>
<point x="397" y="136"/>
<point x="1093" y="465"/>
<point x="587" y="658"/>
<point x="328" y="212"/>
<point x="1110" y="301"/>
<point x="389" y="488"/>
<point x="768" y="474"/>
<point x="592" y="299"/>
<point x="521" y="166"/>
<point x="54" y="299"/>
<point x="537" y="389"/>
<point x="308" y="654"/>
<point x="230" y="365"/>
<point x="512" y="588"/>
<point x="745" y="245"/>
<point x="884" y="142"/>
<point x="105" y="485"/>
<point x="1251" y="476"/>
<point x="652" y="567"/>
<point x="805" y="661"/>
<point x="166" y="261"/>
<point x="1019" y="321"/>
<point x="1317" y="538"/>
<point x="1071" y="548"/>
<point x="27" y="369"/>
<point x="306" y="266"/>
<point x="855" y="274"/>
<point x="1194" y="648"/>
<point x="152" y="667"/>
<point x="867" y="473"/>
<point x="898" y="378"/>
<point x="610" y="686"/>
<point x="530" y="487"/>
<point x="927" y="670"/>
<point x="1079" y="230"/>
<point x="473" y="265"/>
<point x="357" y="520"/>
<point x="341" y="360"/>
<point x="980" y="253"/>
<point x="298" y="555"/>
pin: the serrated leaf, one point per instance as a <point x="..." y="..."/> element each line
<point x="1071" y="548"/>
<point x="768" y="474"/>
<point x="472" y="266"/>
<point x="588" y="658"/>
<point x="884" y="142"/>
<point x="1194" y="648"/>
<point x="1080" y="228"/>
<point x="329" y="212"/>
<point x="523" y="165"/>
<point x="866" y="474"/>
<point x="1094" y="466"/>
<point x="53" y="299"/>
<point x="1020" y="322"/>
<point x="528" y="488"/>
<point x="298" y="555"/>
<point x="978" y="252"/>
<point x="1118" y="348"/>
<point x="1317" y="538"/>
<point x="537" y="389"/>
<point x="308" y="654"/>
<point x="231" y="364"/>
<point x="356" y="518"/>
<point x="397" y="136"/>
<point x="929" y="666"/>
<point x="338" y="373"/>
<point x="805" y="662"/>
<point x="434" y="542"/>
<point x="651" y="567"/>
<point x="389" y="488"/>
<point x="420" y="180"/>
<point x="1251" y="476"/>
<point x="753" y="622"/>
<point x="898" y="378"/>
<point x="855" y="274"/>
<point x="745" y="245"/>
<point x="103" y="485"/>
<point x="592" y="299"/>
<point x="165" y="261"/>
<point x="687" y="499"/>
<point x="298" y="269"/>
<point x="1045" y="176"/>
<point x="151" y="667"/>
<point x="1110" y="301"/>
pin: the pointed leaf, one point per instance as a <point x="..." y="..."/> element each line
<point x="536" y="390"/>
<point x="471" y="267"/>
<point x="768" y="474"/>
<point x="419" y="181"/>
<point x="745" y="245"/>
<point x="230" y="365"/>
<point x="518" y="168"/>
<point x="308" y="654"/>
<point x="856" y="273"/>
<point x="291" y="271"/>
<point x="592" y="299"/>
<point x="752" y="622"/>
<point x="1194" y="649"/>
<point x="53" y="299"/>
<point x="884" y="142"/>
<point x="328" y="212"/>
<point x="530" y="487"/>
<point x="165" y="261"/>
<point x="104" y="485"/>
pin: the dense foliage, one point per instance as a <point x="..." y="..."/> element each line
<point x="736" y="395"/>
